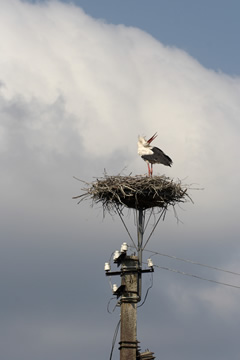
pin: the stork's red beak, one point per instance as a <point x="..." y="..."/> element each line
<point x="152" y="138"/>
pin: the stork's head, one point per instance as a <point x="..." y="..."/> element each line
<point x="144" y="144"/>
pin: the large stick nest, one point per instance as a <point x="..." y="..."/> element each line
<point x="134" y="192"/>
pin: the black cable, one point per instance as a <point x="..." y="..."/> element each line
<point x="114" y="338"/>
<point x="196" y="276"/>
<point x="110" y="312"/>
<point x="192" y="262"/>
<point x="145" y="298"/>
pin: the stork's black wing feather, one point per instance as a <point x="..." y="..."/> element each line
<point x="158" y="157"/>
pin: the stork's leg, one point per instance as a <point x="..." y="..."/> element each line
<point x="149" y="170"/>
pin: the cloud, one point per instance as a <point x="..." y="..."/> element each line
<point x="75" y="92"/>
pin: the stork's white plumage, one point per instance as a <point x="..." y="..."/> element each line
<point x="151" y="154"/>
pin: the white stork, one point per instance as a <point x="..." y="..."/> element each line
<point x="152" y="154"/>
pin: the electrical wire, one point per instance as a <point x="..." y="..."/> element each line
<point x="110" y="312"/>
<point x="193" y="262"/>
<point x="196" y="276"/>
<point x="114" y="338"/>
<point x="145" y="298"/>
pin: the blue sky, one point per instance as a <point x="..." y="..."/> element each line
<point x="78" y="84"/>
<point x="207" y="30"/>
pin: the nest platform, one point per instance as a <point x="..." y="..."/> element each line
<point x="134" y="192"/>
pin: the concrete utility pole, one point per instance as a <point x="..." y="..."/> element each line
<point x="128" y="334"/>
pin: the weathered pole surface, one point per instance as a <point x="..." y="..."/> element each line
<point x="129" y="299"/>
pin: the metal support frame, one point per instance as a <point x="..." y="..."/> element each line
<point x="140" y="231"/>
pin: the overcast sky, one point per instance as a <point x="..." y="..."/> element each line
<point x="79" y="81"/>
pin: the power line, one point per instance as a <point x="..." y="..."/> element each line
<point x="145" y="298"/>
<point x="110" y="312"/>
<point x="196" y="276"/>
<point x="114" y="338"/>
<point x="193" y="262"/>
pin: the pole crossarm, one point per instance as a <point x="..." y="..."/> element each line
<point x="147" y="270"/>
<point x="113" y="273"/>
